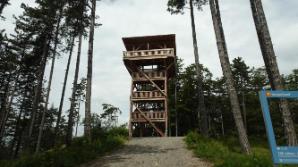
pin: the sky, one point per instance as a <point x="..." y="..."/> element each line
<point x="125" y="18"/>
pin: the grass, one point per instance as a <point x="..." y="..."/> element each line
<point x="227" y="153"/>
<point x="81" y="151"/>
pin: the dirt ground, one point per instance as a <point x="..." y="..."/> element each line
<point x="151" y="152"/>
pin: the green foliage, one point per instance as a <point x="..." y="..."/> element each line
<point x="221" y="155"/>
<point x="241" y="73"/>
<point x="292" y="80"/>
<point x="119" y="132"/>
<point x="178" y="6"/>
<point x="109" y="116"/>
<point x="109" y="110"/>
<point x="81" y="151"/>
<point x="225" y="153"/>
<point x="249" y="81"/>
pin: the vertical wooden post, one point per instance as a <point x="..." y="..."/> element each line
<point x="131" y="110"/>
<point x="166" y="103"/>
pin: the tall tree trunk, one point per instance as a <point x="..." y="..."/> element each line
<point x="73" y="96"/>
<point x="4" y="103"/>
<point x="12" y="96"/>
<point x="17" y="140"/>
<point x="38" y="89"/>
<point x="225" y="64"/>
<point x="8" y="108"/>
<point x="87" y="127"/>
<point x="175" y="94"/>
<point x="244" y="109"/>
<point x="63" y="90"/>
<point x="272" y="67"/>
<point x="176" y="111"/>
<point x="48" y="90"/>
<point x="201" y="109"/>
<point x="78" y="119"/>
<point x="17" y="136"/>
<point x="222" y="124"/>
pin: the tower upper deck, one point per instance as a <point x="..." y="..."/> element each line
<point x="150" y="50"/>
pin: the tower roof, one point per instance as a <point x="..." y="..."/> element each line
<point x="149" y="42"/>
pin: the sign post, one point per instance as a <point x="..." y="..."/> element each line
<point x="280" y="154"/>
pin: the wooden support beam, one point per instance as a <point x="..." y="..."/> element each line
<point x="130" y="112"/>
<point x="150" y="122"/>
<point x="166" y="105"/>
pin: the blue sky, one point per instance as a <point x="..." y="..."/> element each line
<point x="124" y="18"/>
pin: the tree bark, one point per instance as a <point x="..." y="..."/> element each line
<point x="201" y="109"/>
<point x="12" y="96"/>
<point x="17" y="136"/>
<point x="4" y="103"/>
<point x="48" y="90"/>
<point x="73" y="96"/>
<point x="266" y="44"/>
<point x="272" y="67"/>
<point x="244" y="110"/>
<point x="87" y="127"/>
<point x="38" y="89"/>
<point x="7" y="108"/>
<point x="19" y="129"/>
<point x="225" y="64"/>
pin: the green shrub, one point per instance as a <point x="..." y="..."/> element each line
<point x="81" y="151"/>
<point x="226" y="153"/>
<point x="119" y="131"/>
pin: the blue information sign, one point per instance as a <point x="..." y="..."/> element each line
<point x="280" y="154"/>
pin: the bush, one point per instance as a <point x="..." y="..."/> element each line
<point x="81" y="151"/>
<point x="119" y="131"/>
<point x="223" y="156"/>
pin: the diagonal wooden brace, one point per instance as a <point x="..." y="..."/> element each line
<point x="170" y="66"/>
<point x="148" y="78"/>
<point x="151" y="123"/>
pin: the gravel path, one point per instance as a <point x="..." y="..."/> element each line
<point x="151" y="152"/>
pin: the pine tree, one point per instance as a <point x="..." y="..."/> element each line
<point x="18" y="115"/>
<point x="272" y="67"/>
<point x="241" y="75"/>
<point x="225" y="64"/>
<point x="81" y="21"/>
<point x="87" y="127"/>
<point x="71" y="43"/>
<point x="73" y="97"/>
<point x="48" y="90"/>
<point x="177" y="6"/>
<point x="37" y="24"/>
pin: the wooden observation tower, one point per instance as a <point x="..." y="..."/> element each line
<point x="150" y="61"/>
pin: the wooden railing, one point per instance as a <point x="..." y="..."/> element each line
<point x="147" y="94"/>
<point x="153" y="52"/>
<point x="157" y="115"/>
<point x="152" y="75"/>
